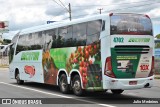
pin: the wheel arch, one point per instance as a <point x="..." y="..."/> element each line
<point x="60" y="72"/>
<point x="16" y="72"/>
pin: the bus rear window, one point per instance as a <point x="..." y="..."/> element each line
<point x="130" y="24"/>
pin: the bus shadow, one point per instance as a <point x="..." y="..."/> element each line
<point x="101" y="97"/>
<point x="42" y="86"/>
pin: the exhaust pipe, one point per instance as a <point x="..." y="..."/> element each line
<point x="147" y="85"/>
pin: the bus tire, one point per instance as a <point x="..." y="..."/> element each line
<point x="77" y="88"/>
<point x="117" y="91"/>
<point x="63" y="84"/>
<point x="19" y="81"/>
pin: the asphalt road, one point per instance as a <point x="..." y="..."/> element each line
<point x="9" y="89"/>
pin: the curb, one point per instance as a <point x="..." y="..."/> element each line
<point x="4" y="68"/>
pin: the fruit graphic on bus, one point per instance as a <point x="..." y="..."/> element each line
<point x="85" y="59"/>
<point x="29" y="70"/>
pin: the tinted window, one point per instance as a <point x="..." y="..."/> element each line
<point x="93" y="31"/>
<point x="93" y="38"/>
<point x="21" y="45"/>
<point x="103" y="26"/>
<point x="32" y="41"/>
<point x="65" y="36"/>
<point x="79" y="34"/>
<point x="12" y="47"/>
<point x="130" y="24"/>
<point x="40" y="34"/>
<point x="94" y="27"/>
<point x="38" y="40"/>
<point x="50" y="39"/>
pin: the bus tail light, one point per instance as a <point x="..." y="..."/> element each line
<point x="2" y="25"/>
<point x="152" y="68"/>
<point x="108" y="68"/>
<point x="110" y="14"/>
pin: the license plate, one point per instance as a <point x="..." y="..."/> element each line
<point x="132" y="82"/>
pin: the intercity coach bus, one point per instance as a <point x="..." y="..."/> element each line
<point x="103" y="52"/>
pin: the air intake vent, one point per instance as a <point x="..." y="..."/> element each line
<point x="132" y="49"/>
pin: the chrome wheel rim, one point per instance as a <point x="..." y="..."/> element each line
<point x="63" y="84"/>
<point x="77" y="86"/>
<point x="17" y="78"/>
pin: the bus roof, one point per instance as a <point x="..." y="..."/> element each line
<point x="61" y="24"/>
<point x="66" y="23"/>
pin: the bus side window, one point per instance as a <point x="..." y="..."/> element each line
<point x="30" y="41"/>
<point x="93" y="31"/>
<point x="38" y="42"/>
<point x="65" y="36"/>
<point x="103" y="26"/>
<point x="79" y="34"/>
<point x="12" y="48"/>
<point x="21" y="45"/>
<point x="53" y="34"/>
<point x="50" y="39"/>
<point x="93" y="38"/>
<point x="11" y="52"/>
<point x="68" y="37"/>
<point x="61" y="36"/>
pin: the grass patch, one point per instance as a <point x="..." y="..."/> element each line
<point x="157" y="77"/>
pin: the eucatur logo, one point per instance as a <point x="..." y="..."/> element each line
<point x="118" y="39"/>
<point x="139" y="40"/>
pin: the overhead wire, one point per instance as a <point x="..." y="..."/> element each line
<point x="132" y="7"/>
<point x="60" y="5"/>
<point x="111" y="4"/>
<point x="115" y="4"/>
<point x="63" y="5"/>
<point x="115" y="9"/>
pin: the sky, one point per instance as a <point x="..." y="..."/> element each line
<point x="28" y="13"/>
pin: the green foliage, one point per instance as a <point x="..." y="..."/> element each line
<point x="158" y="36"/>
<point x="6" y="41"/>
<point x="157" y="45"/>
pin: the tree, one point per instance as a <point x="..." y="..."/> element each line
<point x="158" y="36"/>
<point x="157" y="45"/>
<point x="6" y="41"/>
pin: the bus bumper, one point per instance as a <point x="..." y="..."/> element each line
<point x="124" y="84"/>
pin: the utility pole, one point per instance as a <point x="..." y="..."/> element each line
<point x="100" y="10"/>
<point x="70" y="17"/>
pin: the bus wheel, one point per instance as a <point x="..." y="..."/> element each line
<point x="19" y="82"/>
<point x="64" y="87"/>
<point x="77" y="89"/>
<point x="117" y="91"/>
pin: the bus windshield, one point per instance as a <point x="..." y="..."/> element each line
<point x="130" y="24"/>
